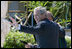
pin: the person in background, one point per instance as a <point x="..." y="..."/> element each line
<point x="62" y="42"/>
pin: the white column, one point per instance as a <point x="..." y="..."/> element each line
<point x="4" y="8"/>
<point x="5" y="26"/>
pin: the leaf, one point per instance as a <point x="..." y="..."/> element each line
<point x="45" y="3"/>
<point x="41" y="4"/>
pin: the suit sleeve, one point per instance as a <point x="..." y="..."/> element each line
<point x="61" y="32"/>
<point x="32" y="30"/>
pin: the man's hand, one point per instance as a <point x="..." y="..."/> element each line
<point x="28" y="45"/>
<point x="13" y="20"/>
<point x="14" y="24"/>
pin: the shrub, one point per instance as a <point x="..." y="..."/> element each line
<point x="13" y="39"/>
<point x="68" y="40"/>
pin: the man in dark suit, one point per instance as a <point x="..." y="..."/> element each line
<point x="46" y="32"/>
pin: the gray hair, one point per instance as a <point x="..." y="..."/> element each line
<point x="41" y="9"/>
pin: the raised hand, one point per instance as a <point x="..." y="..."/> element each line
<point x="14" y="22"/>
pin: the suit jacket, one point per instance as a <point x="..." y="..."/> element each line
<point x="46" y="33"/>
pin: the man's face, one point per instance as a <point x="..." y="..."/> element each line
<point x="49" y="16"/>
<point x="36" y="16"/>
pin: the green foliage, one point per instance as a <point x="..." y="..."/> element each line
<point x="58" y="8"/>
<point x="68" y="40"/>
<point x="13" y="39"/>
